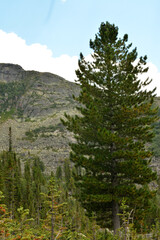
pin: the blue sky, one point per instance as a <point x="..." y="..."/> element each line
<point x="48" y="35"/>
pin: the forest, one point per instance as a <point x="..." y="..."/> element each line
<point x="107" y="188"/>
<point x="34" y="205"/>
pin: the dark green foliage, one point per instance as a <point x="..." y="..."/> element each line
<point x="21" y="189"/>
<point x="33" y="184"/>
<point x="61" y="216"/>
<point x="38" y="181"/>
<point x="155" y="145"/>
<point x="28" y="200"/>
<point x="11" y="180"/>
<point x="113" y="127"/>
<point x="59" y="173"/>
<point x="10" y="93"/>
<point x="42" y="131"/>
<point x="67" y="172"/>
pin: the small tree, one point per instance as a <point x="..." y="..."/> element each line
<point x="56" y="210"/>
<point x="28" y="197"/>
<point x="59" y="173"/>
<point x="113" y="127"/>
<point x="11" y="177"/>
<point x="38" y="182"/>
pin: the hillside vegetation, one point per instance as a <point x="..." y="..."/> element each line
<point x="32" y="103"/>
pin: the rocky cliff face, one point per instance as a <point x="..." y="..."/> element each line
<point x="32" y="103"/>
<point x="11" y="72"/>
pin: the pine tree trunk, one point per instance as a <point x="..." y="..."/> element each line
<point x="10" y="139"/>
<point x="116" y="220"/>
<point x="115" y="206"/>
<point x="52" y="222"/>
<point x="38" y="214"/>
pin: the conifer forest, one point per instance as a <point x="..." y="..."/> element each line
<point x="107" y="188"/>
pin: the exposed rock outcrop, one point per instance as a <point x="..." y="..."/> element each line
<point x="32" y="103"/>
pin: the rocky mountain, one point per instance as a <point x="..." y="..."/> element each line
<point x="32" y="103"/>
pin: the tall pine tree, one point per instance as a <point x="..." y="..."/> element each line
<point x="11" y="177"/>
<point x="112" y="128"/>
<point x="38" y="182"/>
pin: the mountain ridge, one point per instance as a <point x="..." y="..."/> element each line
<point x="32" y="104"/>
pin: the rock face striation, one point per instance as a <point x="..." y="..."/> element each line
<point x="32" y="103"/>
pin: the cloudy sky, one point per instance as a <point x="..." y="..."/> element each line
<point x="48" y="35"/>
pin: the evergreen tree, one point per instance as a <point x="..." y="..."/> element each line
<point x="11" y="181"/>
<point x="67" y="173"/>
<point x="113" y="127"/>
<point x="59" y="173"/>
<point x="56" y="209"/>
<point x="38" y="182"/>
<point x="28" y="188"/>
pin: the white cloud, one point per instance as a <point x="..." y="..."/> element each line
<point x="14" y="49"/>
